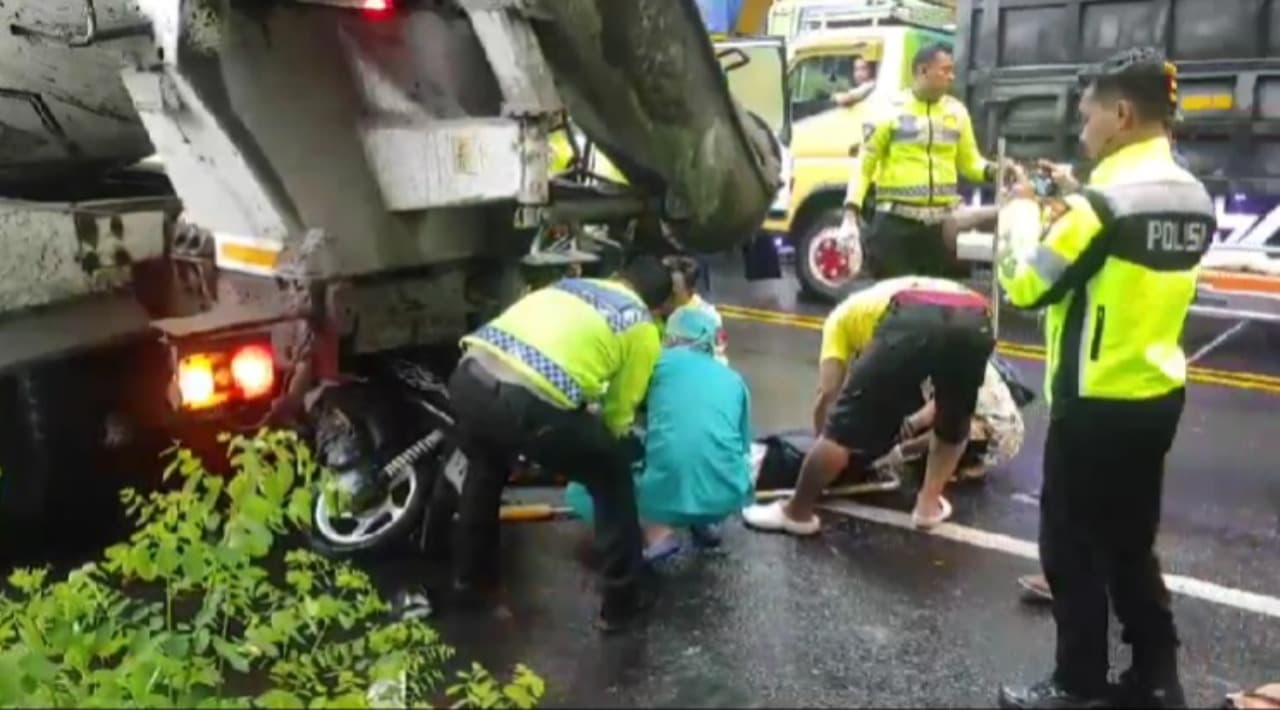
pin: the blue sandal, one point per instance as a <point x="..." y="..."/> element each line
<point x="665" y="548"/>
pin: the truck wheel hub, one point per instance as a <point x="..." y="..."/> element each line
<point x="829" y="259"/>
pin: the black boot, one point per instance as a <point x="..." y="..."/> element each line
<point x="623" y="608"/>
<point x="1150" y="684"/>
<point x="1049" y="694"/>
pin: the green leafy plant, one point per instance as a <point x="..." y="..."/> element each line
<point x="198" y="609"/>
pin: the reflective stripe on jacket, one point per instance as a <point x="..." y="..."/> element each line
<point x="1117" y="271"/>
<point x="579" y="341"/>
<point x="916" y="152"/>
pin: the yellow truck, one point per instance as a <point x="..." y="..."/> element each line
<point x="825" y="41"/>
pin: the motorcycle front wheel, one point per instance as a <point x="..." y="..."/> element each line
<point x="393" y="519"/>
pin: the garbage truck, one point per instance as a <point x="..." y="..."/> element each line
<point x="211" y="205"/>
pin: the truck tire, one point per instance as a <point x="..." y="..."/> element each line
<point x="820" y="267"/>
<point x="60" y="488"/>
<point x="53" y="489"/>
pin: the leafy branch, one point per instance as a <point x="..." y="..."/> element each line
<point x="187" y="613"/>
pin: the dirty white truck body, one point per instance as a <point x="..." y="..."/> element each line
<point x="337" y="177"/>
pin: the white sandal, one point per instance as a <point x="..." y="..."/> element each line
<point x="926" y="523"/>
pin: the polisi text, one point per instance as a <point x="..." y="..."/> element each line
<point x="1176" y="235"/>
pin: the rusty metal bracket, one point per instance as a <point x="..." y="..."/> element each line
<point x="91" y="35"/>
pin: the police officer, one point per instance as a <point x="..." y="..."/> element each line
<point x="1116" y="272"/>
<point x="558" y="378"/>
<point x="914" y="155"/>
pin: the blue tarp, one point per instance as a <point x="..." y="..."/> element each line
<point x="720" y="16"/>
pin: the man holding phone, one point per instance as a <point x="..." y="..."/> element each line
<point x="1116" y="273"/>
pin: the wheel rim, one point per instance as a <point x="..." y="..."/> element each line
<point x="359" y="527"/>
<point x="828" y="259"/>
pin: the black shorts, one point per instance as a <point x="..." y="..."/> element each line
<point x="948" y="344"/>
<point x="898" y="246"/>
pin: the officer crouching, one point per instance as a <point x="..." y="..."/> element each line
<point x="557" y="378"/>
<point x="1116" y="272"/>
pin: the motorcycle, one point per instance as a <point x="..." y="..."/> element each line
<point x="396" y="471"/>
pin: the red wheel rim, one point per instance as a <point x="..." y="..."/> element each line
<point x="830" y="261"/>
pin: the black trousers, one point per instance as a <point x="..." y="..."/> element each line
<point x="1100" y="510"/>
<point x="497" y="422"/>
<point x="899" y="246"/>
<point x="950" y="345"/>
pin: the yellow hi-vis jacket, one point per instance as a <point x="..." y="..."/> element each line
<point x="562" y="158"/>
<point x="1117" y="270"/>
<point x="915" y="152"/>
<point x="579" y="342"/>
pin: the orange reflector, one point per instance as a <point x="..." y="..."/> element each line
<point x="1208" y="102"/>
<point x="196" y="382"/>
<point x="253" y="370"/>
<point x="247" y="256"/>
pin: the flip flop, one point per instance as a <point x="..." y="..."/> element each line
<point x="1033" y="593"/>
<point x="923" y="523"/>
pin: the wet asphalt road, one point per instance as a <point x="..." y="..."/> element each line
<point x="874" y="615"/>
<point x="871" y="615"/>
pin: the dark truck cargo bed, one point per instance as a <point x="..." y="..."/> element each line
<point x="1018" y="60"/>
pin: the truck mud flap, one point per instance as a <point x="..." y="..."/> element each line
<point x="642" y="80"/>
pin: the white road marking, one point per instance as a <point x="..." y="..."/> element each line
<point x="1198" y="589"/>
<point x="1026" y="498"/>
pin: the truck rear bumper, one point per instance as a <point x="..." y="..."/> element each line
<point x="70" y="328"/>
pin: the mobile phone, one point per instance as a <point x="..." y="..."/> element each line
<point x="1044" y="184"/>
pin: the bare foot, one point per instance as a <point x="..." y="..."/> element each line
<point x="971" y="473"/>
<point x="657" y="533"/>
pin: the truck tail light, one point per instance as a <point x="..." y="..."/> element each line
<point x="196" y="383"/>
<point x="374" y="8"/>
<point x="211" y="378"/>
<point x="253" y="371"/>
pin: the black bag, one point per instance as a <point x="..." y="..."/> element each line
<point x="780" y="468"/>
<point x="1022" y="394"/>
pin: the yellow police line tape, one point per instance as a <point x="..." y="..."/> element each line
<point x="1202" y="375"/>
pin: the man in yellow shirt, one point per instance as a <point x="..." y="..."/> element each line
<point x="915" y="154"/>
<point x="557" y="378"/>
<point x="878" y="347"/>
